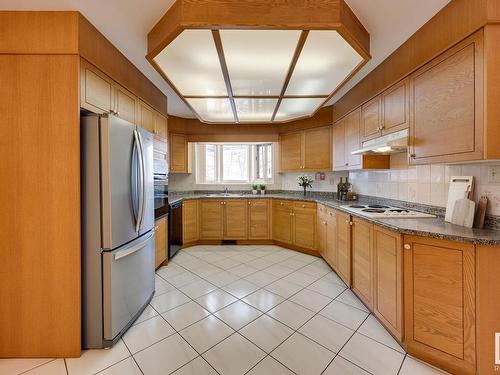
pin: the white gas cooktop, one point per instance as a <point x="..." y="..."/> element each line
<point x="385" y="212"/>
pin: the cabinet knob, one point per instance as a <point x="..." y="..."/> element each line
<point x="413" y="156"/>
<point x="281" y="203"/>
<point x="407" y="246"/>
<point x="249" y="203"/>
<point x="221" y="202"/>
<point x="351" y="223"/>
<point x="303" y="206"/>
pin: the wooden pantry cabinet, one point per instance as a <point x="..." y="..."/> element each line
<point x="161" y="241"/>
<point x="307" y="150"/>
<point x="440" y="302"/>
<point x="362" y="260"/>
<point x="259" y="219"/>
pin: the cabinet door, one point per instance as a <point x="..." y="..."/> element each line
<point x="259" y="219"/>
<point x="331" y="238"/>
<point x="190" y="227"/>
<point x="447" y="104"/>
<point x="343" y="228"/>
<point x="388" y="271"/>
<point x="362" y="260"/>
<point x="318" y="149"/>
<point x="125" y="104"/>
<point x="396" y="108"/>
<point x="282" y="221"/>
<point x="291" y="151"/>
<point x="161" y="241"/>
<point x="211" y="219"/>
<point x="304" y="225"/>
<point x="322" y="225"/>
<point x="440" y="302"/>
<point x="235" y="219"/>
<point x="339" y="151"/>
<point x="352" y="139"/>
<point x="160" y="125"/>
<point x="178" y="153"/>
<point x="371" y="118"/>
<point x="145" y="117"/>
<point x="96" y="89"/>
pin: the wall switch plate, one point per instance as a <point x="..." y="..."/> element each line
<point x="494" y="174"/>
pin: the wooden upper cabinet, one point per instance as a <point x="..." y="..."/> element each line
<point x="308" y="150"/>
<point x="235" y="219"/>
<point x="96" y="89"/>
<point x="211" y="224"/>
<point x="317" y="153"/>
<point x="362" y="260"/>
<point x="291" y="151"/>
<point x="190" y="223"/>
<point x="446" y="103"/>
<point x="145" y="116"/>
<point x="160" y="125"/>
<point x="353" y="139"/>
<point x="339" y="152"/>
<point x="304" y="225"/>
<point x="282" y="221"/>
<point x="178" y="153"/>
<point x="259" y="219"/>
<point x="396" y="108"/>
<point x="343" y="237"/>
<point x="440" y="302"/>
<point x="388" y="272"/>
<point x="125" y="104"/>
<point x="371" y="118"/>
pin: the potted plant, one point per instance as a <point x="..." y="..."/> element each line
<point x="255" y="189"/>
<point x="262" y="189"/>
<point x="305" y="181"/>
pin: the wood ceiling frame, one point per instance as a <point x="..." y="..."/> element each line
<point x="215" y="15"/>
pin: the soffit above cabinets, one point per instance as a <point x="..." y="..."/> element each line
<point x="257" y="61"/>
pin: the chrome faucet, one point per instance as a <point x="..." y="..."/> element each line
<point x="226" y="191"/>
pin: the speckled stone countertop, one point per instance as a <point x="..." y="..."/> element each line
<point x="430" y="227"/>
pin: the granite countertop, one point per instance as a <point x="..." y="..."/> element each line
<point x="430" y="227"/>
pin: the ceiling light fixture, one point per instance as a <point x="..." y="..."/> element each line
<point x="257" y="61"/>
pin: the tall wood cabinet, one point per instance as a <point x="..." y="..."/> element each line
<point x="446" y="100"/>
<point x="440" y="302"/>
<point x="362" y="260"/>
<point x="307" y="150"/>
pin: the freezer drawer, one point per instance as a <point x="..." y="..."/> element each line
<point x="128" y="283"/>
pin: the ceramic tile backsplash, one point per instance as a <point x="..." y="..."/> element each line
<point x="289" y="181"/>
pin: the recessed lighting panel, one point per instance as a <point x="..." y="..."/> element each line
<point x="255" y="110"/>
<point x="213" y="109"/>
<point x="293" y="108"/>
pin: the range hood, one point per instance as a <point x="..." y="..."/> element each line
<point x="388" y="144"/>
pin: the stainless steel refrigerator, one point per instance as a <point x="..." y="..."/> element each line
<point x="118" y="244"/>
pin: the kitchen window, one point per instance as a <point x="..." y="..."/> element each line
<point x="234" y="163"/>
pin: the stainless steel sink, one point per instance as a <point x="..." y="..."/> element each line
<point x="224" y="195"/>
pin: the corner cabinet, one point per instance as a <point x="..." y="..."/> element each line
<point x="282" y="221"/>
<point x="294" y="223"/>
<point x="307" y="150"/>
<point x="440" y="302"/>
<point x="446" y="101"/>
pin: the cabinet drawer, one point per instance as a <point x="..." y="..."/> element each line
<point x="311" y="205"/>
<point x="282" y="204"/>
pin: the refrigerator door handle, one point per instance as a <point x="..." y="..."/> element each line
<point x="126" y="252"/>
<point x="142" y="200"/>
<point x="134" y="179"/>
<point x="142" y="182"/>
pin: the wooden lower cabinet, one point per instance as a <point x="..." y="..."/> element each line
<point x="304" y="225"/>
<point x="343" y="246"/>
<point x="362" y="260"/>
<point x="282" y="221"/>
<point x="190" y="229"/>
<point x="211" y="224"/>
<point x="322" y="229"/>
<point x="440" y="303"/>
<point x="235" y="219"/>
<point x="259" y="219"/>
<point x="388" y="283"/>
<point x="326" y="234"/>
<point x="161" y="241"/>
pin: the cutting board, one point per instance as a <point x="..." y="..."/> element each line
<point x="463" y="212"/>
<point x="459" y="186"/>
<point x="481" y="212"/>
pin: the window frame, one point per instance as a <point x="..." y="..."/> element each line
<point x="200" y="163"/>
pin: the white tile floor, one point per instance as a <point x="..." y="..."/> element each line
<point x="257" y="310"/>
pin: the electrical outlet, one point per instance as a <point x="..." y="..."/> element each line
<point x="494" y="174"/>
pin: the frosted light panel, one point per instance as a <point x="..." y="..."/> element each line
<point x="326" y="60"/>
<point x="255" y="110"/>
<point x="192" y="64"/>
<point x="213" y="110"/>
<point x="258" y="60"/>
<point x="292" y="108"/>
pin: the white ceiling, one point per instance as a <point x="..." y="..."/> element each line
<point x="126" y="24"/>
